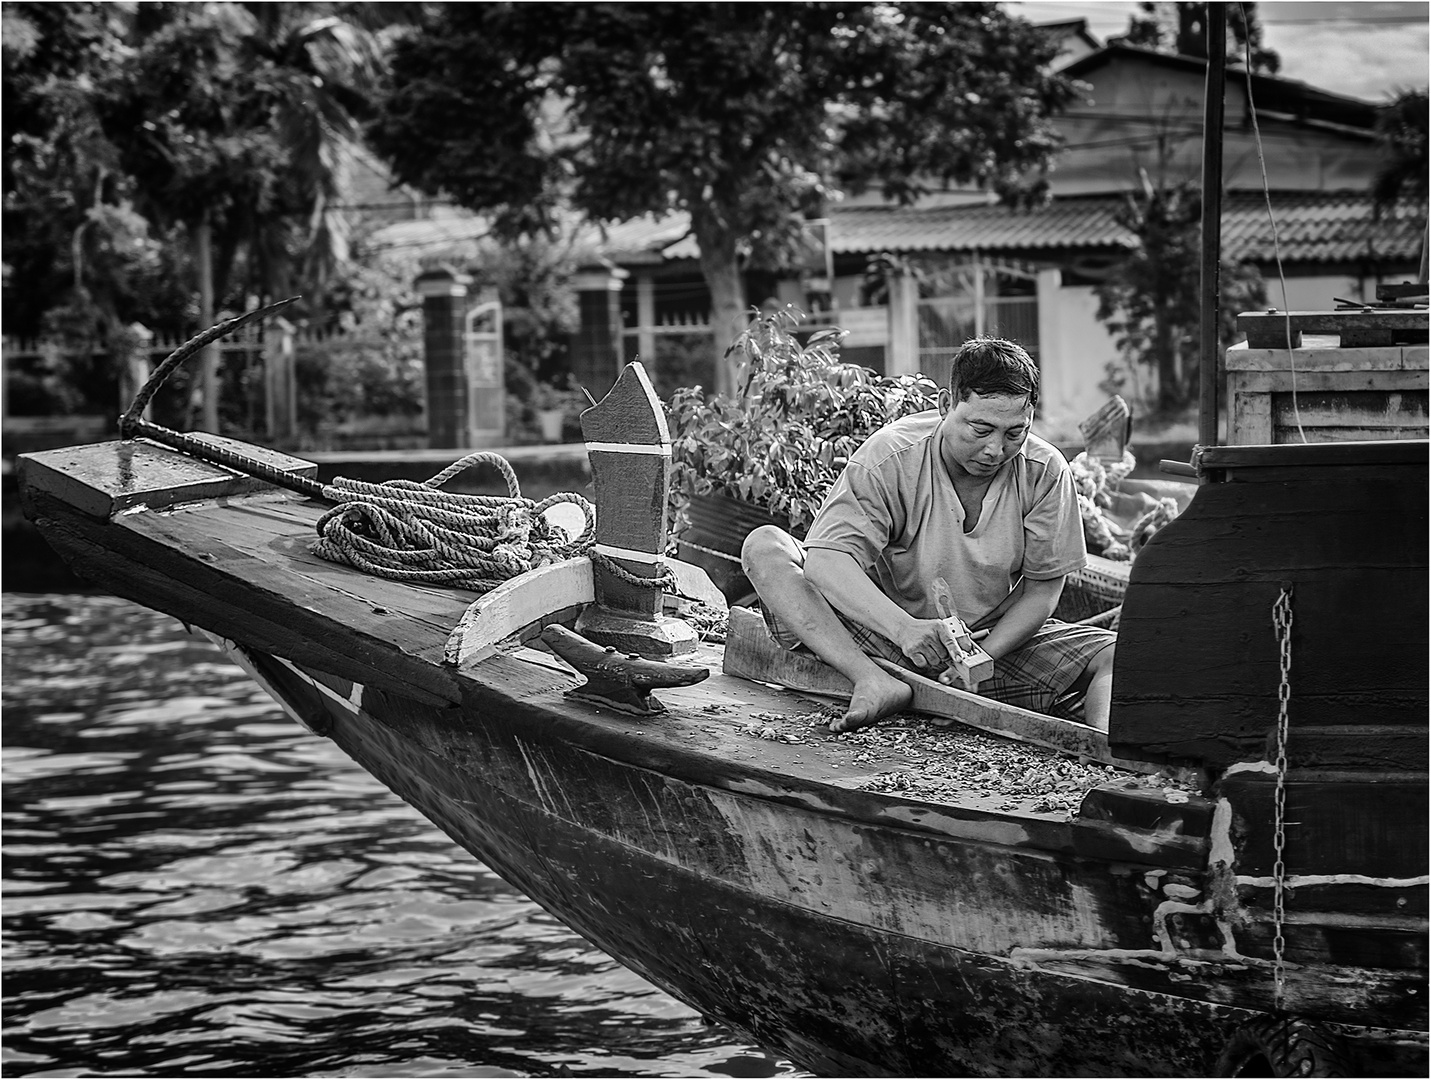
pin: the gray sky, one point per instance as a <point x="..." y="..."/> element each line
<point x="1365" y="49"/>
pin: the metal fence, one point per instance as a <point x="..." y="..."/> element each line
<point x="946" y="322"/>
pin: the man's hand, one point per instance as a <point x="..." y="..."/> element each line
<point x="931" y="643"/>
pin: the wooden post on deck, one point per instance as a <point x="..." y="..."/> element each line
<point x="630" y="450"/>
<point x="1210" y="285"/>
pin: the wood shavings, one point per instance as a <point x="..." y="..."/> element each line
<point x="708" y="622"/>
<point x="913" y="757"/>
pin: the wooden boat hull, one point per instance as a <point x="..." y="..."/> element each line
<point x="858" y="933"/>
<point x="853" y="950"/>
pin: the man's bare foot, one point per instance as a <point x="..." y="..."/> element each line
<point x="873" y="699"/>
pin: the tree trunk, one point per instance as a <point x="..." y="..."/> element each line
<point x="209" y="355"/>
<point x="720" y="265"/>
<point x="1168" y="386"/>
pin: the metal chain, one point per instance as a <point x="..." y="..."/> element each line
<point x="1282" y="623"/>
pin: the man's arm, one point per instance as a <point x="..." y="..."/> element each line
<point x="850" y="591"/>
<point x="1025" y="615"/>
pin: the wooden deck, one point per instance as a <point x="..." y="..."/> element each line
<point x="240" y="566"/>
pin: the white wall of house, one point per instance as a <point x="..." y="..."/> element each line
<point x="1075" y="349"/>
<point x="1319" y="293"/>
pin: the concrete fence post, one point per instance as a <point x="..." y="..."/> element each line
<point x="596" y="346"/>
<point x="280" y="383"/>
<point x="444" y="313"/>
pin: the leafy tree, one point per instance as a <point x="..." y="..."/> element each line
<point x="257" y="107"/>
<point x="1401" y="135"/>
<point x="1151" y="302"/>
<point x="746" y="116"/>
<point x="1181" y="28"/>
<point x="135" y="132"/>
<point x="71" y="236"/>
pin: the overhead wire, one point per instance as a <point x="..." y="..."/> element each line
<point x="1276" y="245"/>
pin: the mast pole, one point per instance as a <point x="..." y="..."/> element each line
<point x="1211" y="284"/>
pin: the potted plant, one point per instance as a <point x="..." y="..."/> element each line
<point x="553" y="407"/>
<point x="771" y="451"/>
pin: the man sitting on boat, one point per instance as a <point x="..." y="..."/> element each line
<point x="967" y="493"/>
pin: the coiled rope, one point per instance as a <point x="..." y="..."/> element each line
<point x="402" y="529"/>
<point x="415" y="532"/>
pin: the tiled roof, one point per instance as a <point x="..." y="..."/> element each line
<point x="1312" y="226"/>
<point x="650" y="236"/>
<point x="1318" y="226"/>
<point x="1075" y="222"/>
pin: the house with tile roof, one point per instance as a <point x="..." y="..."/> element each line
<point x="958" y="264"/>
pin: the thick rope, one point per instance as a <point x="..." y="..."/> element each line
<point x="1092" y="483"/>
<point x="409" y="531"/>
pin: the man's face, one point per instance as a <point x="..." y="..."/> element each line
<point x="980" y="434"/>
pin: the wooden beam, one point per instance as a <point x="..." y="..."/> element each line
<point x="1390" y="326"/>
<point x="751" y="654"/>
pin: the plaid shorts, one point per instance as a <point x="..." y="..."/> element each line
<point x="1034" y="676"/>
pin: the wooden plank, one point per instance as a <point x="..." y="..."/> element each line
<point x="1251" y="423"/>
<point x="1197" y="671"/>
<point x="693" y="583"/>
<point x="1324" y="355"/>
<point x="1366" y="454"/>
<point x="379" y="613"/>
<point x="103" y="479"/>
<point x="263" y="609"/>
<point x="1371" y="409"/>
<point x="1290" y="433"/>
<point x="750" y="654"/>
<point x="1268" y="330"/>
<point x="1375" y="828"/>
<point x="516" y="604"/>
<point x="1124" y="822"/>
<point x="1268" y="382"/>
<point x="281" y="527"/>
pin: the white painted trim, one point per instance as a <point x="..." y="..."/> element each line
<point x="649" y="558"/>
<point x="661" y="449"/>
<point x="1251" y="766"/>
<point x="353" y="703"/>
<point x="1297" y="881"/>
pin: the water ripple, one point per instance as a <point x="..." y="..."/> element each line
<point x="194" y="886"/>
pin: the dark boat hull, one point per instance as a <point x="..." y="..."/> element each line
<point x="674" y="878"/>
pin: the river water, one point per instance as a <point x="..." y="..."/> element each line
<point x="195" y="886"/>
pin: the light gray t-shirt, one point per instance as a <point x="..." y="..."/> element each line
<point x="895" y="511"/>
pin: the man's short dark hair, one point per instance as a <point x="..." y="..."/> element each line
<point x="989" y="365"/>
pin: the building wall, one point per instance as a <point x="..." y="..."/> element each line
<point x="1146" y="115"/>
<point x="1076" y="349"/>
<point x="1318" y="292"/>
